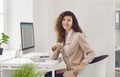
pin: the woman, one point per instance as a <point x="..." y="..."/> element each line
<point x="71" y="43"/>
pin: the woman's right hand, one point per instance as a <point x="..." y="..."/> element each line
<point x="54" y="48"/>
<point x="58" y="46"/>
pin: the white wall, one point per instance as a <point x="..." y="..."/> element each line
<point x="41" y="24"/>
<point x="44" y="21"/>
<point x="96" y="17"/>
<point x="17" y="11"/>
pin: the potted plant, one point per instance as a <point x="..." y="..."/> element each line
<point x="28" y="70"/>
<point x="4" y="40"/>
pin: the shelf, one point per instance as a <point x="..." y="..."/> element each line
<point x="117" y="9"/>
<point x="117" y="49"/>
<point x="117" y="69"/>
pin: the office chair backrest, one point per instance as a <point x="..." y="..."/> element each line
<point x="99" y="58"/>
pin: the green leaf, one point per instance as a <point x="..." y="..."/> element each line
<point x="28" y="70"/>
<point x="4" y="39"/>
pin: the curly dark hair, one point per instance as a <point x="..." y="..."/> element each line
<point x="59" y="28"/>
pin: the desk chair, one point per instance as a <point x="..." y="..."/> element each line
<point x="97" y="68"/>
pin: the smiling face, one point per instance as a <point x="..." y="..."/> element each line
<point x="67" y="23"/>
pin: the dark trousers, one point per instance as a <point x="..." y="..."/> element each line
<point x="49" y="74"/>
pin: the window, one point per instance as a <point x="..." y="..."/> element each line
<point x="1" y="15"/>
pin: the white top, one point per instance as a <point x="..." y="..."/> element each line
<point x="67" y="42"/>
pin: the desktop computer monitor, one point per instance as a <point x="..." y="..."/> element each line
<point x="27" y="36"/>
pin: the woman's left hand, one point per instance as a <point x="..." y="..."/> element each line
<point x="81" y="67"/>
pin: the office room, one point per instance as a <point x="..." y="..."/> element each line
<point x="95" y="17"/>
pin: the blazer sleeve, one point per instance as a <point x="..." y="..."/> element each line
<point x="55" y="54"/>
<point x="88" y="52"/>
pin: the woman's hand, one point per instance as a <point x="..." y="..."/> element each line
<point x="54" y="48"/>
<point x="58" y="46"/>
<point x="75" y="72"/>
<point x="80" y="68"/>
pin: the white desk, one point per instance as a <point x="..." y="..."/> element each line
<point x="7" y="55"/>
<point x="49" y="65"/>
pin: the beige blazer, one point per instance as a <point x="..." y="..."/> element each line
<point x="79" y="51"/>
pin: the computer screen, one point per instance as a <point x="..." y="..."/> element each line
<point x="27" y="35"/>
